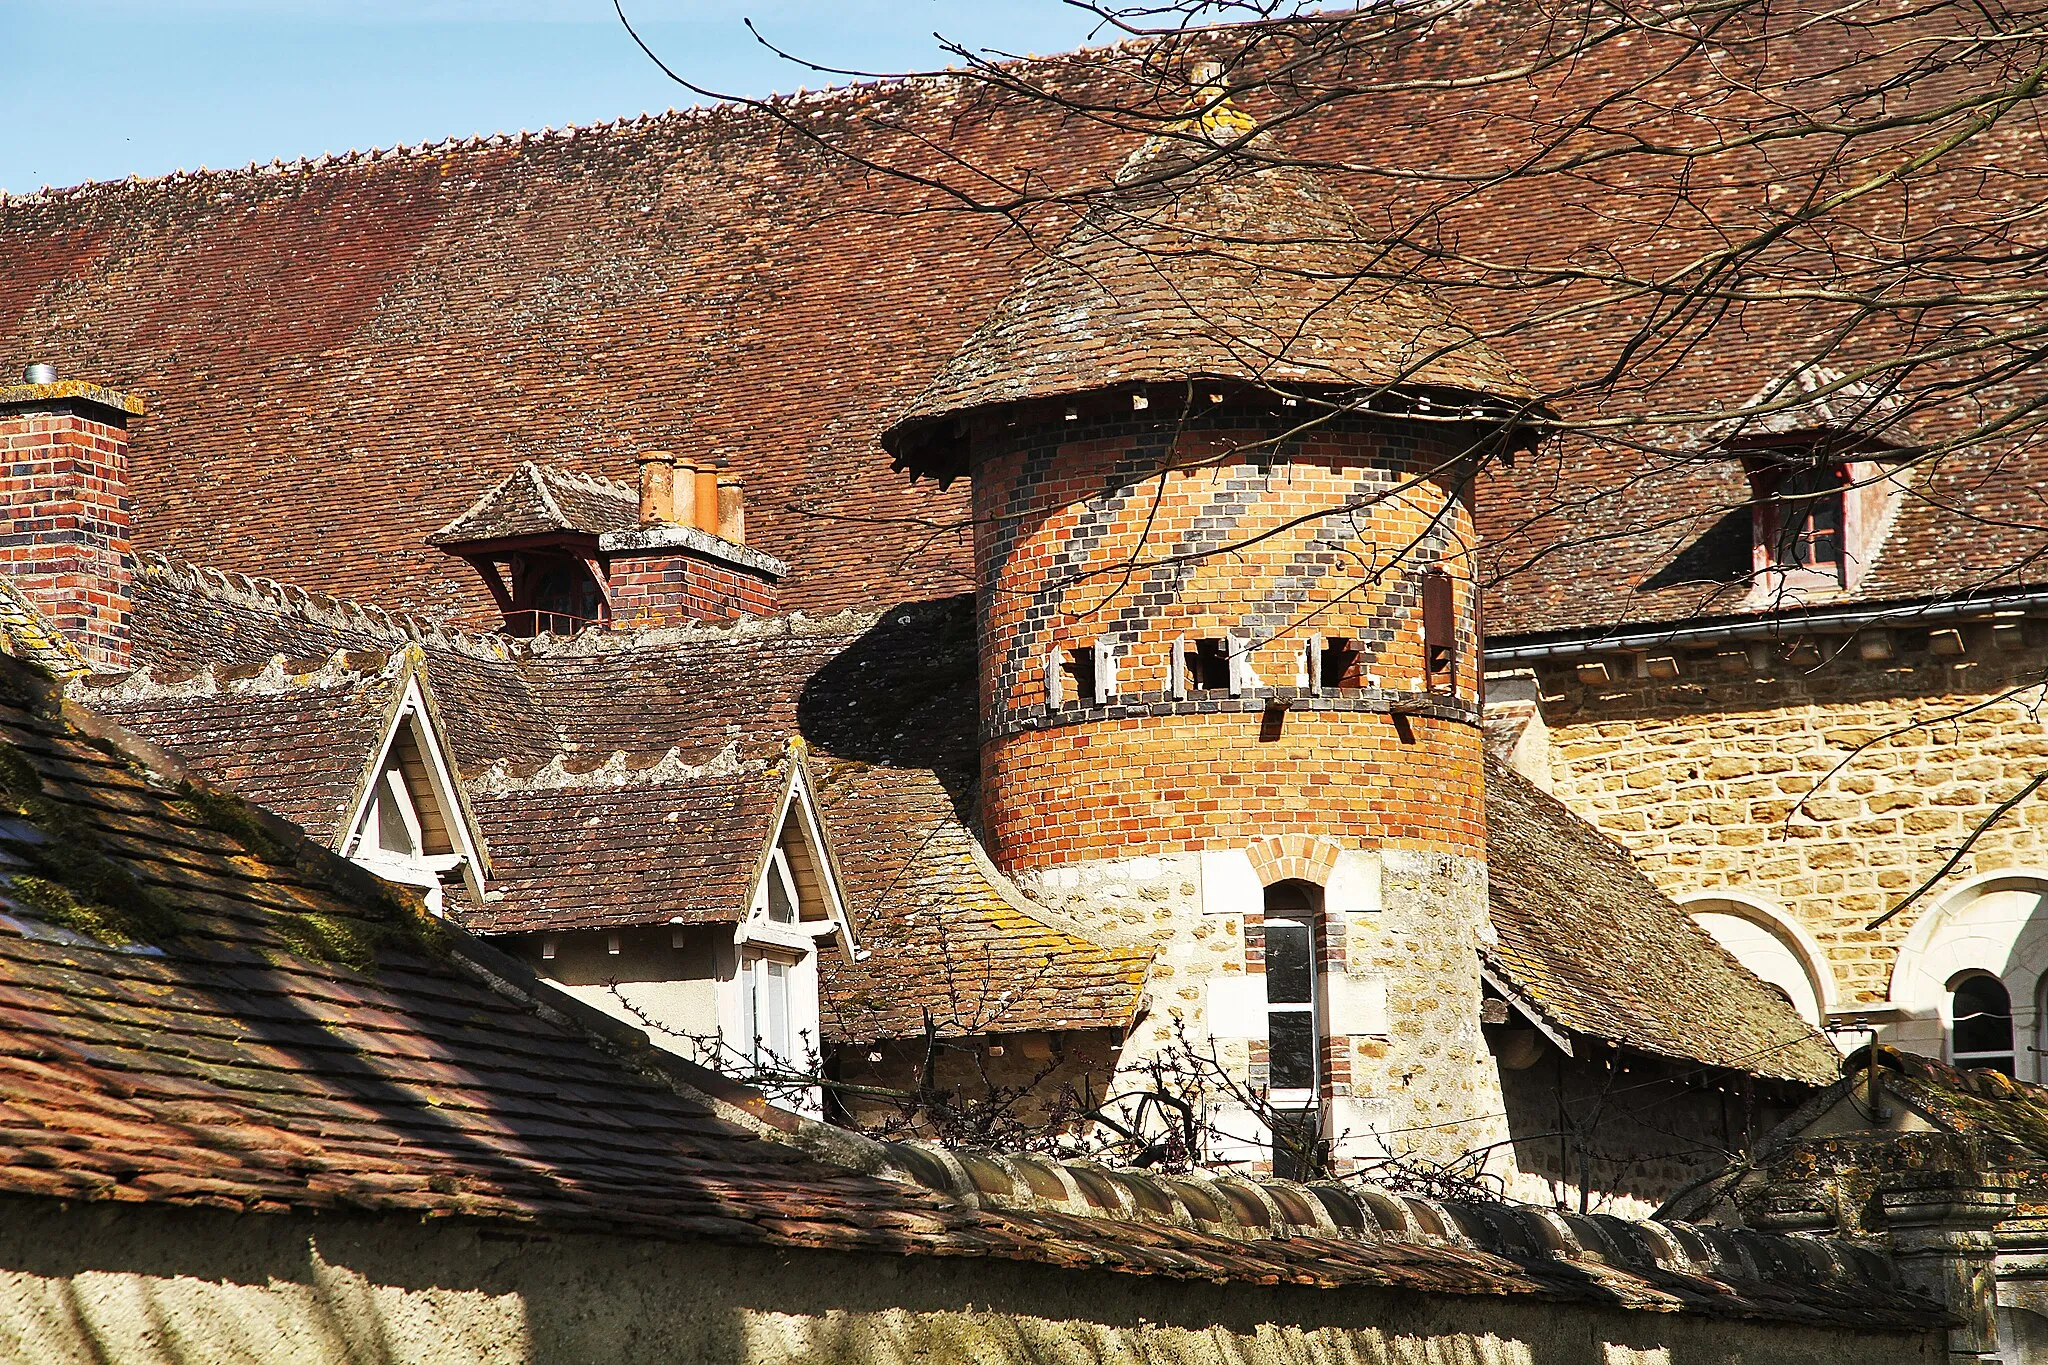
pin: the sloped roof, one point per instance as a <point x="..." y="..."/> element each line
<point x="887" y="704"/>
<point x="1586" y="938"/>
<point x="1816" y="399"/>
<point x="628" y="780"/>
<point x="254" y="1026"/>
<point x="538" y="500"/>
<point x="1204" y="263"/>
<point x="601" y="857"/>
<point x="663" y="283"/>
<point x="295" y="739"/>
<point x="939" y="934"/>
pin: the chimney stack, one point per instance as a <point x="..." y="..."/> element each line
<point x="657" y="488"/>
<point x="732" y="508"/>
<point x="64" y="512"/>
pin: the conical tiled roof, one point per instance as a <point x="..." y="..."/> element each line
<point x="1203" y="262"/>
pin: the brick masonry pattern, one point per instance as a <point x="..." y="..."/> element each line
<point x="64" y="520"/>
<point x="1322" y="536"/>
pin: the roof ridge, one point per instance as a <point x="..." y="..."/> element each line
<point x="595" y="482"/>
<point x="539" y="479"/>
<point x="615" y="772"/>
<point x="274" y="676"/>
<point x="696" y="117"/>
<point x="274" y="595"/>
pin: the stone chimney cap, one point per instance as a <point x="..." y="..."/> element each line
<point x="52" y="390"/>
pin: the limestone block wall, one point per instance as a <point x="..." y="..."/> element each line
<point x="1405" y="1067"/>
<point x="1612" y="1134"/>
<point x="120" y="1285"/>
<point x="1814" y="778"/>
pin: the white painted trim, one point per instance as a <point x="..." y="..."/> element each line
<point x="1774" y="918"/>
<point x="413" y="708"/>
<point x="757" y="927"/>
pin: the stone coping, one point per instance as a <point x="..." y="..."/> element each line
<point x="1145" y="705"/>
<point x="76" y="390"/>
<point x="647" y="539"/>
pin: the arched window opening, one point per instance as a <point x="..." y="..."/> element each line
<point x="1980" y="1024"/>
<point x="1294" y="1031"/>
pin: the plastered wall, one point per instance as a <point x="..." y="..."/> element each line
<point x="124" y="1286"/>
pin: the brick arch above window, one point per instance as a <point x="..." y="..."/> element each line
<point x="1293" y="857"/>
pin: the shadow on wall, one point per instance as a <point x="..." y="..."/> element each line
<point x="111" y="1285"/>
<point x="903" y="694"/>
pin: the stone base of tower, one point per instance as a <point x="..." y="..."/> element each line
<point x="1404" y="1069"/>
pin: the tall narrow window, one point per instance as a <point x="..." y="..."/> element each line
<point x="781" y="889"/>
<point x="765" y="1005"/>
<point x="1294" y="1034"/>
<point x="1439" y="631"/>
<point x="1980" y="1024"/>
<point x="1291" y="1032"/>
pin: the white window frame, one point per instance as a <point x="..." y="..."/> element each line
<point x="1296" y="1097"/>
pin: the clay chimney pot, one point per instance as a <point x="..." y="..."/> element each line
<point x="657" y="488"/>
<point x="707" y="500"/>
<point x="732" y="508"/>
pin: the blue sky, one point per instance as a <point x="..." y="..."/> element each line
<point x="143" y="87"/>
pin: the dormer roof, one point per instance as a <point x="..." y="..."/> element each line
<point x="1206" y="262"/>
<point x="1817" y="403"/>
<point x="540" y="500"/>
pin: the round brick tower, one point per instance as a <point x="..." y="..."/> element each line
<point x="1228" y="622"/>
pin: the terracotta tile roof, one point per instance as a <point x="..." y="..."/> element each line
<point x="664" y="283"/>
<point x="622" y="780"/>
<point x="601" y="857"/>
<point x="1191" y="268"/>
<point x="887" y="705"/>
<point x="253" y="1026"/>
<point x="941" y="933"/>
<point x="1597" y="950"/>
<point x="536" y="499"/>
<point x="296" y="741"/>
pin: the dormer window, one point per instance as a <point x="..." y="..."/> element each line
<point x="409" y="825"/>
<point x="553" y="595"/>
<point x="1819" y="449"/>
<point x="1802" y="516"/>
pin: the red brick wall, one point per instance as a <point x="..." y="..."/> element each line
<point x="64" y="520"/>
<point x="1080" y="537"/>
<point x="1160" y="784"/>
<point x="671" y="587"/>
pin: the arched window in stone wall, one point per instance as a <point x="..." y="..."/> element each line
<point x="1980" y="1023"/>
<point x="1982" y="950"/>
<point x="1771" y="944"/>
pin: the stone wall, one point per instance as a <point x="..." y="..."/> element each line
<point x="1827" y="777"/>
<point x="1405" y="1068"/>
<point x="1609" y="1132"/>
<point x="119" y="1285"/>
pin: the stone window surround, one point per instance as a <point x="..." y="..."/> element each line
<point x="2007" y="941"/>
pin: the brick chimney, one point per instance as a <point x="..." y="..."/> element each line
<point x="64" y="511"/>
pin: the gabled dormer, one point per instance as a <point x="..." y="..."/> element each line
<point x="774" y="1016"/>
<point x="409" y="821"/>
<point x="1822" y="453"/>
<point x="562" y="552"/>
